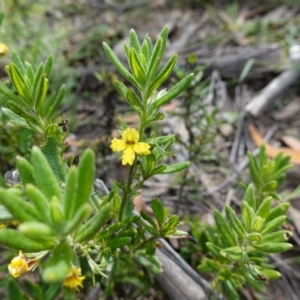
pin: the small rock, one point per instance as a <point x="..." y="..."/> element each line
<point x="226" y="130"/>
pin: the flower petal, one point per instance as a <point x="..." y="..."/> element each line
<point x="142" y="148"/>
<point x="117" y="145"/>
<point x="128" y="156"/>
<point x="130" y="136"/>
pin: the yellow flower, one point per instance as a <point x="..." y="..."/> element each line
<point x="73" y="281"/>
<point x="129" y="145"/>
<point x="18" y="265"/>
<point x="3" y="49"/>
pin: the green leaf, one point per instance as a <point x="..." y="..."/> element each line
<point x="118" y="242"/>
<point x="234" y="222"/>
<point x="174" y="91"/>
<point x="14" y="118"/>
<point x="170" y="225"/>
<point x="249" y="196"/>
<point x="224" y="229"/>
<point x="254" y="237"/>
<point x="257" y="224"/>
<point x="233" y="253"/>
<point x="150" y="221"/>
<point x="267" y="274"/>
<point x="86" y="171"/>
<point x="158" y="210"/>
<point x="134" y="41"/>
<point x="18" y="62"/>
<point x="215" y="250"/>
<point x="13" y="203"/>
<point x="176" y="167"/>
<point x="35" y="230"/>
<point x="21" y="112"/>
<point x="145" y="51"/>
<point x="133" y="98"/>
<point x="52" y="153"/>
<point x="40" y="202"/>
<point x="25" y="171"/>
<point x="13" y="290"/>
<point x="264" y="209"/>
<point x="94" y="224"/>
<point x="19" y="83"/>
<point x="43" y="175"/>
<point x="48" y="66"/>
<point x="70" y="190"/>
<point x="119" y="65"/>
<point x="56" y="102"/>
<point x="16" y="240"/>
<point x="157" y="54"/>
<point x="11" y="95"/>
<point x="136" y="67"/>
<point x="230" y="290"/>
<point x="247" y="215"/>
<point x="163" y="75"/>
<point x="277" y="236"/>
<point x="272" y="225"/>
<point x="80" y="215"/>
<point x="279" y="210"/>
<point x="121" y="88"/>
<point x="254" y="170"/>
<point x="273" y="247"/>
<point x="41" y="95"/>
<point x="59" y="264"/>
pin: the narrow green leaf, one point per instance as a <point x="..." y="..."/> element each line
<point x="18" y="62"/>
<point x="43" y="175"/>
<point x="174" y="91"/>
<point x="163" y="75"/>
<point x="234" y="222"/>
<point x="48" y="66"/>
<point x="145" y="51"/>
<point x="16" y="240"/>
<point x="224" y="229"/>
<point x="40" y="202"/>
<point x="41" y="94"/>
<point x="13" y="290"/>
<point x="11" y="95"/>
<point x="247" y="216"/>
<point x="35" y="230"/>
<point x="119" y="65"/>
<point x="57" y="101"/>
<point x="249" y="196"/>
<point x="94" y="224"/>
<point x="279" y="210"/>
<point x="151" y="222"/>
<point x="13" y="203"/>
<point x="257" y="224"/>
<point x="273" y="247"/>
<point x="86" y="170"/>
<point x="277" y="236"/>
<point x="169" y="225"/>
<point x="254" y="170"/>
<point x="264" y="209"/>
<point x="14" y="118"/>
<point x="30" y="73"/>
<point x="133" y="98"/>
<point x="230" y="290"/>
<point x="155" y="60"/>
<point x="150" y="45"/>
<point x="233" y="253"/>
<point x="134" y="41"/>
<point x="118" y="242"/>
<point x="70" y="190"/>
<point x="121" y="88"/>
<point x="21" y="112"/>
<point x="176" y="167"/>
<point x="136" y="67"/>
<point x="72" y="225"/>
<point x="272" y="225"/>
<point x="25" y="171"/>
<point x="158" y="210"/>
<point x="19" y="83"/>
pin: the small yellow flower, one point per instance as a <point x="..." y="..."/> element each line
<point x="73" y="281"/>
<point x="3" y="49"/>
<point x="129" y="145"/>
<point x="18" y="265"/>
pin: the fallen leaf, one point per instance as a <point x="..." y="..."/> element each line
<point x="273" y="151"/>
<point x="292" y="142"/>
